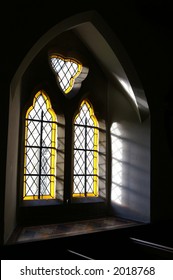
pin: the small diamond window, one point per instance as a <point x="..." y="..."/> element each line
<point x="67" y="70"/>
<point x="40" y="149"/>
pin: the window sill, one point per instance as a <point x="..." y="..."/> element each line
<point x="76" y="200"/>
<point x="43" y="202"/>
<point x="51" y="202"/>
<point x="25" y="234"/>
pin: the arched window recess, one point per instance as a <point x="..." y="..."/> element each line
<point x="99" y="39"/>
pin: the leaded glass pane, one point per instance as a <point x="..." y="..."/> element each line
<point x="85" y="182"/>
<point x="66" y="70"/>
<point x="79" y="137"/>
<point x="79" y="159"/>
<point x="32" y="160"/>
<point x="40" y="149"/>
<point x="33" y="133"/>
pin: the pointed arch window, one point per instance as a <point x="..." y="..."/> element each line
<point x="86" y="139"/>
<point x="40" y="149"/>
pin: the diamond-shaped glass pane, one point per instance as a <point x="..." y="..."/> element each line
<point x="31" y="183"/>
<point x="32" y="160"/>
<point x="33" y="133"/>
<point x="79" y="137"/>
<point x="79" y="160"/>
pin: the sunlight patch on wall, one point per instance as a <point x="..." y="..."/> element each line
<point x="117" y="156"/>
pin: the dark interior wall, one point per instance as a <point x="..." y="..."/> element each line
<point x="144" y="29"/>
<point x="154" y="67"/>
<point x="150" y="49"/>
<point x="10" y="191"/>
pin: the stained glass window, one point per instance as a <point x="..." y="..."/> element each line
<point x="40" y="149"/>
<point x="86" y="137"/>
<point x="66" y="70"/>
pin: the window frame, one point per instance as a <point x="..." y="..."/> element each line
<point x="53" y="148"/>
<point x="95" y="150"/>
<point x="66" y="199"/>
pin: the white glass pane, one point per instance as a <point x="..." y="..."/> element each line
<point x="32" y="185"/>
<point x="32" y="160"/>
<point x="33" y="133"/>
